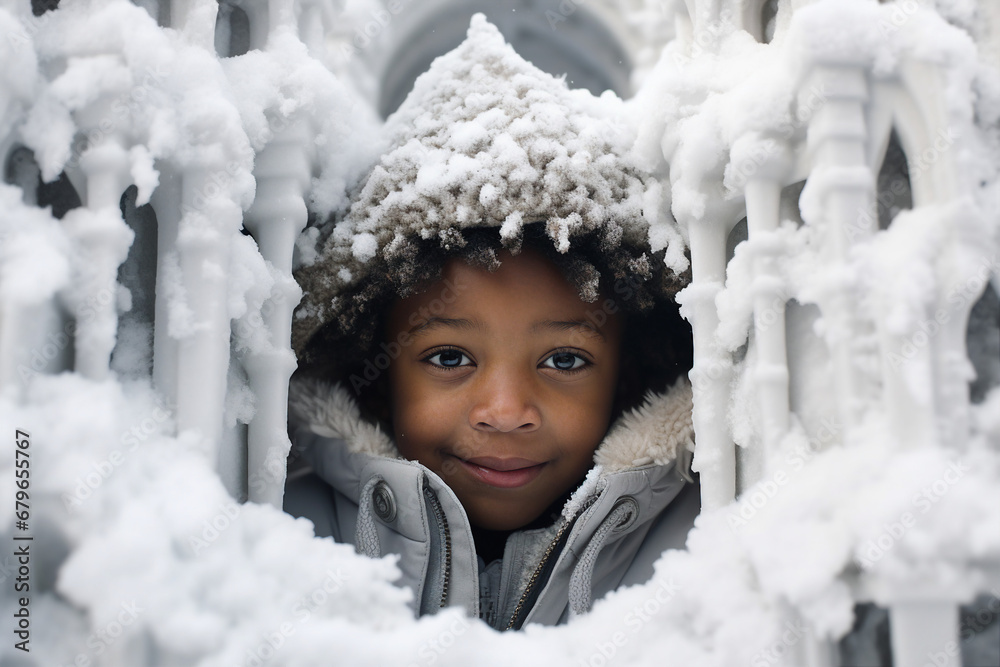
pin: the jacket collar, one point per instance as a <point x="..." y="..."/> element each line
<point x="656" y="433"/>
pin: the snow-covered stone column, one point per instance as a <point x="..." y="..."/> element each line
<point x="196" y="19"/>
<point x="282" y="171"/>
<point x="922" y="631"/>
<point x="166" y="201"/>
<point x="700" y="206"/>
<point x="925" y="365"/>
<point x="842" y="185"/>
<point x="763" y="198"/>
<point x="102" y="240"/>
<point x="314" y="24"/>
<point x="712" y="372"/>
<point x="937" y="139"/>
<point x="203" y="244"/>
<point x="276" y="218"/>
<point x="258" y="15"/>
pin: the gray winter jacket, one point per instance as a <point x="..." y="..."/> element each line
<point x="634" y="504"/>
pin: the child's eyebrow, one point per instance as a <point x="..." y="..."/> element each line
<point x="583" y="326"/>
<point x="435" y="322"/>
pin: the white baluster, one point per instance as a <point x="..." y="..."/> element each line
<point x="929" y="131"/>
<point x="276" y="218"/>
<point x="259" y="17"/>
<point x="103" y="240"/>
<point x="203" y="244"/>
<point x="166" y="201"/>
<point x="715" y="455"/>
<point x="763" y="198"/>
<point x="837" y="137"/>
<point x="195" y="19"/>
<point x="925" y="632"/>
<point x="314" y="24"/>
<point x="282" y="14"/>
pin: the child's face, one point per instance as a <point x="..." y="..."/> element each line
<point x="503" y="386"/>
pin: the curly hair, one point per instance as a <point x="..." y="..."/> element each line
<point x="616" y="277"/>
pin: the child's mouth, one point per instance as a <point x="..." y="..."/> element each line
<point x="502" y="473"/>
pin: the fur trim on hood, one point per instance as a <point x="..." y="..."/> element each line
<point x="657" y="432"/>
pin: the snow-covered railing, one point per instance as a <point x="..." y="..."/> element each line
<point x="830" y="337"/>
<point x="893" y="317"/>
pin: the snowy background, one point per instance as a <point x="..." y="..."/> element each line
<point x="141" y="354"/>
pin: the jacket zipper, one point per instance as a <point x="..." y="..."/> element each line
<point x="535" y="575"/>
<point x="533" y="581"/>
<point x="443" y="522"/>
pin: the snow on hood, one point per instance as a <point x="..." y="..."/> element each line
<point x="486" y="139"/>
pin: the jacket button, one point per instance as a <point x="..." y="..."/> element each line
<point x="384" y="502"/>
<point x="630" y="513"/>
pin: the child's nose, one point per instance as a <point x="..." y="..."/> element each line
<point x="505" y="402"/>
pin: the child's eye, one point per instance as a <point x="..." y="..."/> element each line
<point x="448" y="359"/>
<point x="565" y="361"/>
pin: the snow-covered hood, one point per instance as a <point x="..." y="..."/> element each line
<point x="487" y="140"/>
